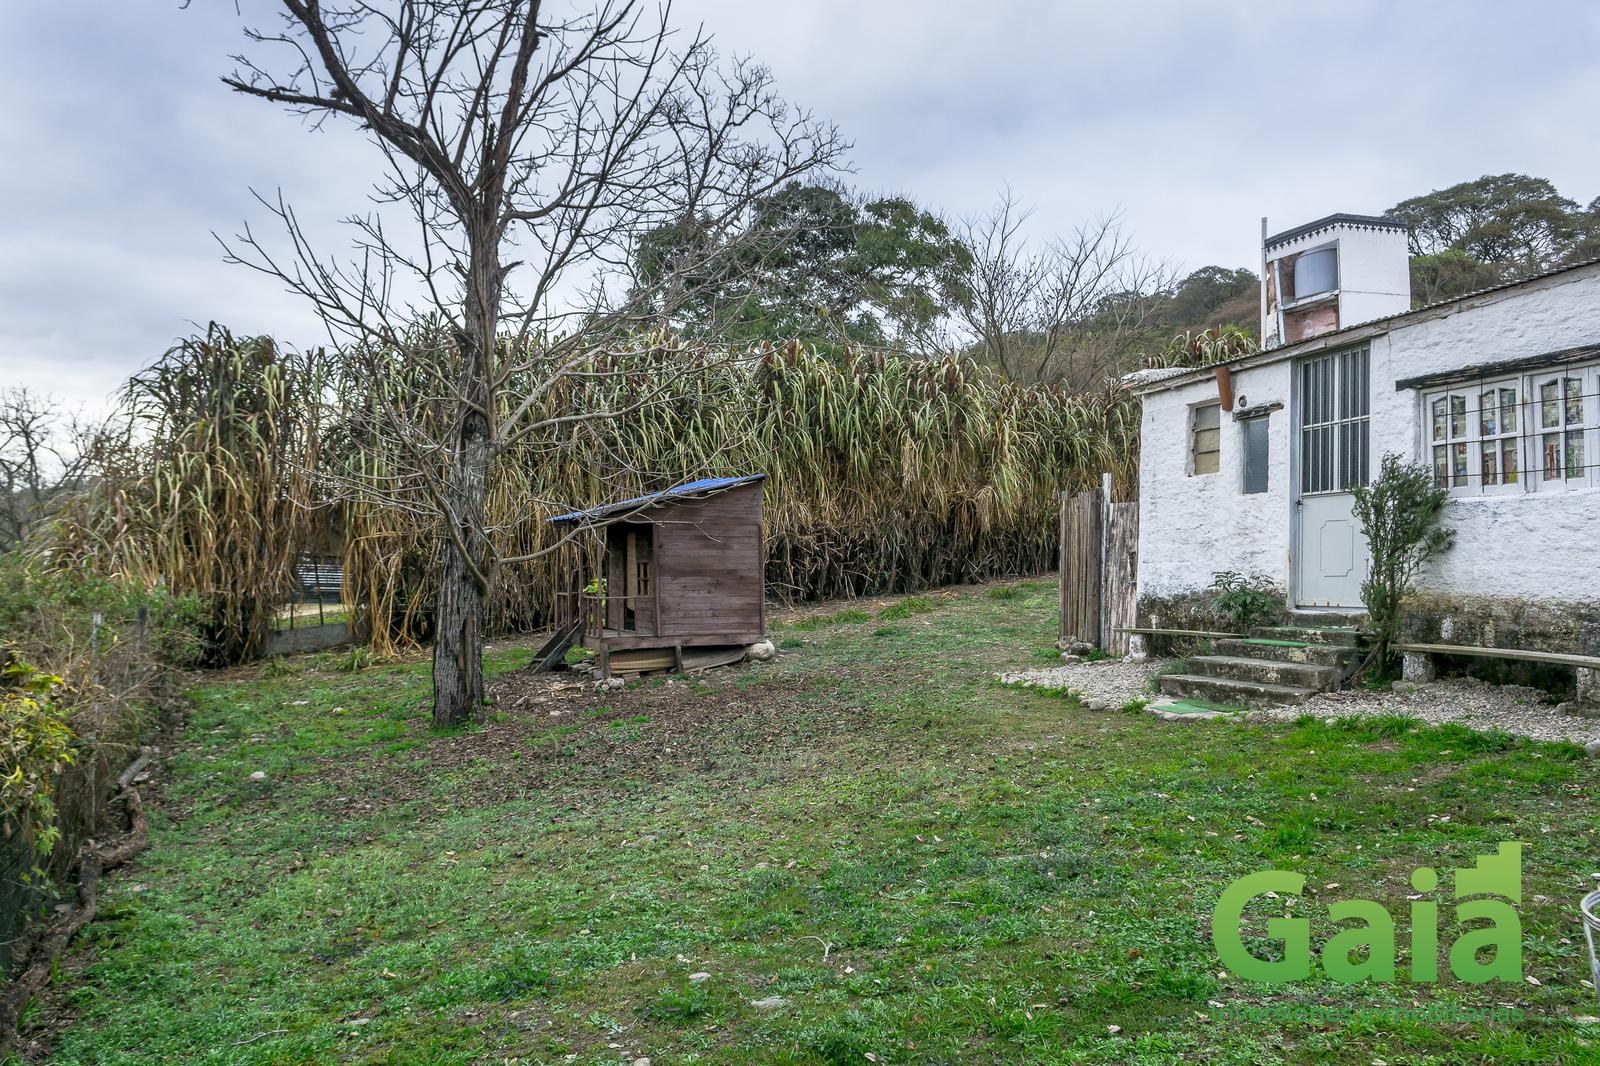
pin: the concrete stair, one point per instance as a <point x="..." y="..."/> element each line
<point x="1266" y="671"/>
<point x="1283" y="665"/>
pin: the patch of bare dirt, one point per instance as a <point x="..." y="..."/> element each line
<point x="556" y="729"/>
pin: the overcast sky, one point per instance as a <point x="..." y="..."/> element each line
<point x="123" y="152"/>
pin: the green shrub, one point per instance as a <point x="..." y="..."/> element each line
<point x="1402" y="514"/>
<point x="35" y="746"/>
<point x="1244" y="601"/>
<point x="47" y="614"/>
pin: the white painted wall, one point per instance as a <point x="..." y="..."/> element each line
<point x="1191" y="525"/>
<point x="1539" y="546"/>
<point x="1374" y="271"/>
<point x="1374" y="275"/>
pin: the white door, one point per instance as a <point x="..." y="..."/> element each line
<point x="1333" y="402"/>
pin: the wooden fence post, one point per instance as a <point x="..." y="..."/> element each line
<point x="1062" y="563"/>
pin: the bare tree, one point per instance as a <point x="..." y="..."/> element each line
<point x="1070" y="311"/>
<point x="34" y="459"/>
<point x="531" y="150"/>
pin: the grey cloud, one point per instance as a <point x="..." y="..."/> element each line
<point x="123" y="152"/>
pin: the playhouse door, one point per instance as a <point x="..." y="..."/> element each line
<point x="1330" y="556"/>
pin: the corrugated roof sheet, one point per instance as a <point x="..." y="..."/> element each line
<point x="704" y="487"/>
<point x="1135" y="378"/>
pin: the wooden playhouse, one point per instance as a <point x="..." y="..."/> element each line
<point x="669" y="580"/>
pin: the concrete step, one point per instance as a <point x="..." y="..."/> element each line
<point x="1227" y="690"/>
<point x="1288" y="651"/>
<point x="1321" y="619"/>
<point x="1265" y="671"/>
<point x="1345" y="635"/>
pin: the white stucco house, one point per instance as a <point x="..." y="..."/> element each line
<point x="1248" y="466"/>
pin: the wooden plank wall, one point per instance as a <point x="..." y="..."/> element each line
<point x="709" y="565"/>
<point x="1081" y="531"/>
<point x="1119" y="585"/>
<point x="1098" y="570"/>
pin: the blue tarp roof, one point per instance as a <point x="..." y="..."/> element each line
<point x="703" y="487"/>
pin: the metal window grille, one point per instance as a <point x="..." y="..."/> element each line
<point x="1335" y="430"/>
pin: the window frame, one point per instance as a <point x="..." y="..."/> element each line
<point x="1333" y="424"/>
<point x="1473" y="435"/>
<point x="1588" y="428"/>
<point x="1529" y="435"/>
<point x="1246" y="425"/>
<point x="1195" y="429"/>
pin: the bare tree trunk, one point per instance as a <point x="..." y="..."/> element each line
<point x="464" y="573"/>
<point x="458" y="617"/>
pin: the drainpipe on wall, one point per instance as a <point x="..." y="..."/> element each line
<point x="1225" y="387"/>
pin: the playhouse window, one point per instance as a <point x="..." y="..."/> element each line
<point x="1206" y="446"/>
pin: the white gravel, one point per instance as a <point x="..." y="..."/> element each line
<point x="1104" y="684"/>
<point x="1110" y="684"/>
<point x="1479" y="705"/>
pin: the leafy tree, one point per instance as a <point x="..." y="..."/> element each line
<point x="1401" y="513"/>
<point x="818" y="263"/>
<point x="1496" y="228"/>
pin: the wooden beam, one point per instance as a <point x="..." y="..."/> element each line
<point x="1178" y="633"/>
<point x="1552" y="658"/>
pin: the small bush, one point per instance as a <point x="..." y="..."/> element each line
<point x="1244" y="601"/>
<point x="1402" y="515"/>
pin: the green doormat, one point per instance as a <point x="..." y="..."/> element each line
<point x="1191" y="710"/>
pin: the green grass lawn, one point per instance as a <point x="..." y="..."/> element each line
<point x="922" y="865"/>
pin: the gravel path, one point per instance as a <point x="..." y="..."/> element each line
<point x="1526" y="712"/>
<point x="1111" y="683"/>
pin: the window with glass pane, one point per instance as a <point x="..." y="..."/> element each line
<point x="1474" y="437"/>
<point x="1255" y="455"/>
<point x="1564" y="424"/>
<point x="1452" y="441"/>
<point x="1498" y="440"/>
<point x="1207" y="445"/>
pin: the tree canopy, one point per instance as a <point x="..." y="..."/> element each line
<point x="817" y="262"/>
<point x="1494" y="229"/>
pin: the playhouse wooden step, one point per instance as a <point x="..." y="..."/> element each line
<point x="553" y="655"/>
